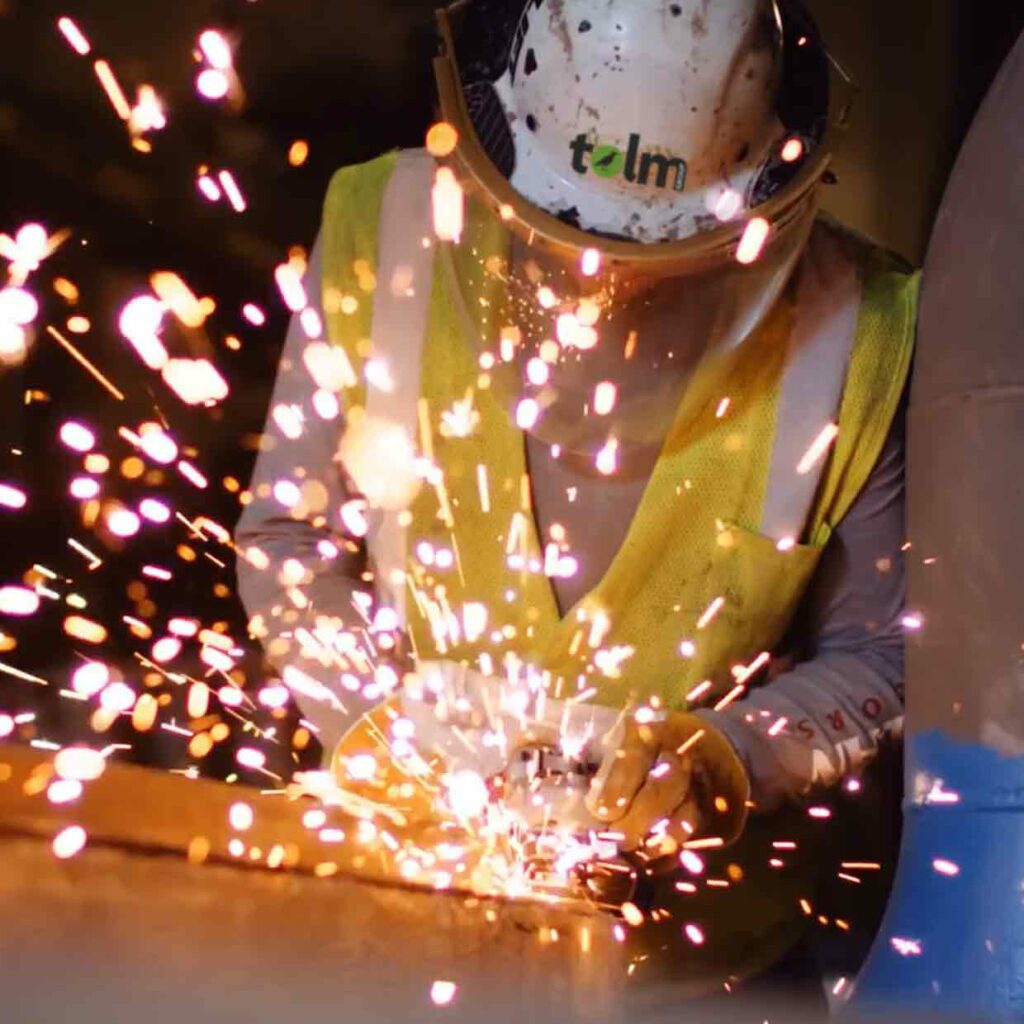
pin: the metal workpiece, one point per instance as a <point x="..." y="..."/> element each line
<point x="132" y="929"/>
<point x="952" y="944"/>
<point x="172" y="912"/>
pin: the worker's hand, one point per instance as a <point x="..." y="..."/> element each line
<point x="667" y="781"/>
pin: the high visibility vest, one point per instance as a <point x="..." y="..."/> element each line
<point x="721" y="547"/>
<point x="728" y="532"/>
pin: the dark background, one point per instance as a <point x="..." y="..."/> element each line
<point x="352" y="79"/>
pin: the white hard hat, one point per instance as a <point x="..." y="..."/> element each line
<point x="647" y="120"/>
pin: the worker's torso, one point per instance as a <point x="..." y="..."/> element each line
<point x="687" y="572"/>
<point x="687" y="560"/>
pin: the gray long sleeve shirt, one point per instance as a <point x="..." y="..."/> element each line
<point x="836" y="702"/>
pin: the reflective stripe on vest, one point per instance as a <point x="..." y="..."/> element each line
<point x="821" y="341"/>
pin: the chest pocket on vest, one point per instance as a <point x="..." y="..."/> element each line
<point x="761" y="588"/>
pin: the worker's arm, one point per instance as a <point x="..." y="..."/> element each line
<point x="312" y="570"/>
<point x="837" y="703"/>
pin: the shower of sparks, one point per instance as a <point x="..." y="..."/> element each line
<point x="187" y="683"/>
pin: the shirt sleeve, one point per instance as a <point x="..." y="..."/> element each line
<point x="298" y="574"/>
<point x="823" y="718"/>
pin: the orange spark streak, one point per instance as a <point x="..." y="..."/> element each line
<point x="819" y="446"/>
<point x="712" y="610"/>
<point x="113" y="90"/>
<point x="73" y="34"/>
<point x="57" y="336"/>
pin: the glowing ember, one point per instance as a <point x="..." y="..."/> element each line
<point x="752" y="243"/>
<point x="710" y="612"/>
<point x="112" y="88"/>
<point x="18" y="601"/>
<point x="80" y="763"/>
<point x="140" y="323"/>
<point x="946" y="867"/>
<point x="153" y="510"/>
<point x="241" y="817"/>
<point x="117" y="697"/>
<point x="906" y="947"/>
<point x="254" y="314"/>
<point x="90" y="678"/>
<point x="442" y="992"/>
<point x="84" y="488"/>
<point x="727" y="205"/>
<point x="77" y="437"/>
<point x="12" y="497"/>
<point x="792" y="150"/>
<point x="73" y="34"/>
<point x="212" y="84"/>
<point x="195" y="381"/>
<point x="590" y="263"/>
<point x="166" y="649"/>
<point x="215" y="49"/>
<point x="605" y="395"/>
<point x="607" y="460"/>
<point x="69" y="842"/>
<point x="18" y="306"/>
<point x="232" y="191"/>
<point x="122" y="522"/>
<point x="448" y="206"/>
<point x="148" y="113"/>
<point x="442" y="138"/>
<point x="85" y="629"/>
<point x="527" y="414"/>
<point x="692" y="862"/>
<point x="632" y="914"/>
<point x="249" y="757"/>
<point x="64" y="791"/>
<point x="289" y="282"/>
<point x="819" y="447"/>
<point x="694" y="934"/>
<point x="157" y="444"/>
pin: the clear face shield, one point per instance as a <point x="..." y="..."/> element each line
<point x="591" y="341"/>
<point x="596" y="361"/>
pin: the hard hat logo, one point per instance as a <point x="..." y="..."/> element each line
<point x="608" y="161"/>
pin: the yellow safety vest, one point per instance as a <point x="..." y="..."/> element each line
<point x="696" y="540"/>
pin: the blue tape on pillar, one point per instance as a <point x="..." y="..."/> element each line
<point x="952" y="943"/>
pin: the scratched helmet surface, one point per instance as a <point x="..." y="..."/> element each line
<point x="652" y="120"/>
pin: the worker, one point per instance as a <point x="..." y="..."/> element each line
<point x="622" y="420"/>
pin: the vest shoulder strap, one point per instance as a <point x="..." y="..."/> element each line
<point x="821" y="343"/>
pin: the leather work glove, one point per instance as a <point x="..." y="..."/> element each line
<point x="676" y="777"/>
